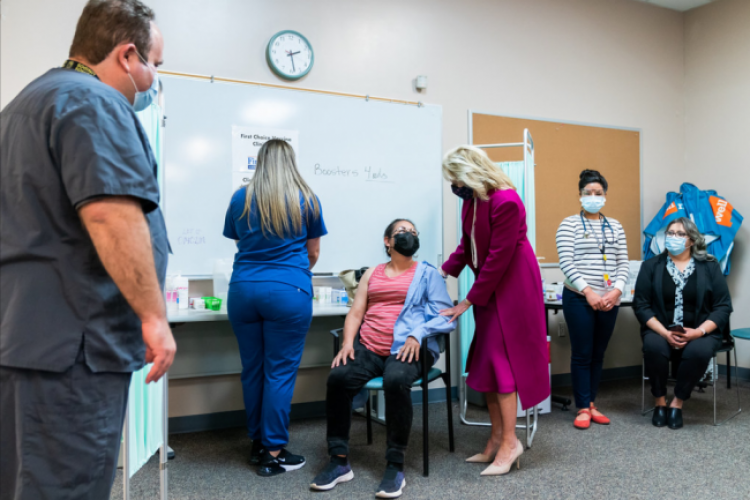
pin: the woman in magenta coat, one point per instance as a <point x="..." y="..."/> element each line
<point x="508" y="354"/>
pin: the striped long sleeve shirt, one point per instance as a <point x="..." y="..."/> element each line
<point x="582" y="261"/>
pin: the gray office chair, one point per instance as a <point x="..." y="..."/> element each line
<point x="726" y="347"/>
<point x="429" y="374"/>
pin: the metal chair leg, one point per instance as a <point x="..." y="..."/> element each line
<point x="736" y="388"/>
<point x="448" y="396"/>
<point x="644" y="411"/>
<point x="368" y="412"/>
<point x="713" y="383"/>
<point x="425" y="433"/>
<point x="449" y="405"/>
<point x="425" y="415"/>
<point x="463" y="405"/>
<point x="729" y="370"/>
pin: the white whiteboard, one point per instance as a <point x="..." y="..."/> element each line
<point x="343" y="143"/>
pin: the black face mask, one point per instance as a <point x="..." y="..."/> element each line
<point x="406" y="244"/>
<point x="465" y="193"/>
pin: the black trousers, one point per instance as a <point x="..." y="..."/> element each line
<point x="60" y="432"/>
<point x="689" y="363"/>
<point x="345" y="381"/>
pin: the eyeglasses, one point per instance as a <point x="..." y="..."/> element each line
<point x="402" y="230"/>
<point x="678" y="234"/>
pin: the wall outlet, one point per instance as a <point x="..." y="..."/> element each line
<point x="562" y="329"/>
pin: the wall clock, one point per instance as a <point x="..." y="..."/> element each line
<point x="290" y="55"/>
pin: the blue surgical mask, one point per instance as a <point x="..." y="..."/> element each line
<point x="592" y="204"/>
<point x="675" y="245"/>
<point x="144" y="99"/>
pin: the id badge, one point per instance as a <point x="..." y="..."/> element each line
<point x="607" y="281"/>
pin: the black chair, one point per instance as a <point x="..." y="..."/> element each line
<point x="429" y="374"/>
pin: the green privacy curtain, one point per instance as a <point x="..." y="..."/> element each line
<point x="514" y="170"/>
<point x="145" y="409"/>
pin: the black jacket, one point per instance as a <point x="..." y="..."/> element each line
<point x="713" y="302"/>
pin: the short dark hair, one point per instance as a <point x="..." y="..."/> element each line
<point x="392" y="227"/>
<point x="105" y="24"/>
<point x="589" y="176"/>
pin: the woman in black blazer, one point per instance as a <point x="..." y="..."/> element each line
<point x="683" y="304"/>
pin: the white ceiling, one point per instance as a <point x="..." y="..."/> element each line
<point x="681" y="5"/>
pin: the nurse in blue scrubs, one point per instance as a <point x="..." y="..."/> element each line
<point x="277" y="222"/>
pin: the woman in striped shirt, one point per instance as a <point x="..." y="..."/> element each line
<point x="396" y="308"/>
<point x="593" y="256"/>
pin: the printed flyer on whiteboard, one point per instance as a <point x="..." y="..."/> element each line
<point x="246" y="141"/>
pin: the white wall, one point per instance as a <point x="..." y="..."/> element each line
<point x="609" y="62"/>
<point x="717" y="126"/>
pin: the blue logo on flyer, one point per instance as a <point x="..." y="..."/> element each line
<point x="251" y="162"/>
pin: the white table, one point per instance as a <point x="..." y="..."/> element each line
<point x="192" y="316"/>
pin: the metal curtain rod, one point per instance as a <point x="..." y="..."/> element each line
<point x="506" y="145"/>
<point x="286" y="87"/>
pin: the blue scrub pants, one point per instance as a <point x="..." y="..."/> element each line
<point x="270" y="321"/>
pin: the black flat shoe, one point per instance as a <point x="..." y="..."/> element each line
<point x="674" y="418"/>
<point x="660" y="416"/>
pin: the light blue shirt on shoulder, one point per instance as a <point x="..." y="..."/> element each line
<point x="420" y="318"/>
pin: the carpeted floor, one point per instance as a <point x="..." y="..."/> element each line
<point x="629" y="459"/>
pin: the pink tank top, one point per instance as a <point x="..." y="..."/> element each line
<point x="385" y="300"/>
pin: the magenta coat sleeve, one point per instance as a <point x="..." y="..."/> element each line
<point x="504" y="230"/>
<point x="457" y="261"/>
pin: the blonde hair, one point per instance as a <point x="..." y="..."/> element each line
<point x="472" y="167"/>
<point x="276" y="188"/>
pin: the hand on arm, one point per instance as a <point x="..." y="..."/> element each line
<point x="122" y="239"/>
<point x="353" y="321"/>
<point x="456" y="311"/>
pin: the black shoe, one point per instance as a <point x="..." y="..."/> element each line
<point x="674" y="419"/>
<point x="256" y="452"/>
<point x="289" y="461"/>
<point x="269" y="465"/>
<point x="285" y="461"/>
<point x="660" y="416"/>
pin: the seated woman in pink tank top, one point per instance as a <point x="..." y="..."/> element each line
<point x="396" y="308"/>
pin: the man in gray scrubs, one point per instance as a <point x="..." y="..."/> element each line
<point x="83" y="254"/>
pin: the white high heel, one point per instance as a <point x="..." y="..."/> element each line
<point x="480" y="458"/>
<point x="499" y="470"/>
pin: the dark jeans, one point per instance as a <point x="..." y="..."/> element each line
<point x="60" y="432"/>
<point x="689" y="363"/>
<point x="345" y="381"/>
<point x="590" y="332"/>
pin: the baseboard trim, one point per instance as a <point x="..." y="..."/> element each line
<point x="608" y="374"/>
<point x="742" y="373"/>
<point x="316" y="409"/>
<point x="236" y="418"/>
